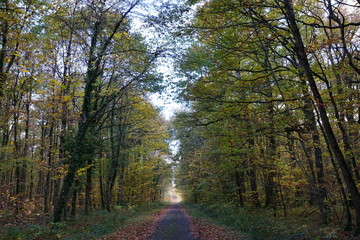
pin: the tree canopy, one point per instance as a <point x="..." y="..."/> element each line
<point x="271" y="116"/>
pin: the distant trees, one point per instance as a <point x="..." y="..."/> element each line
<point x="75" y="121"/>
<point x="273" y="87"/>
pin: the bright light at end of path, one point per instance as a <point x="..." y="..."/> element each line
<point x="173" y="196"/>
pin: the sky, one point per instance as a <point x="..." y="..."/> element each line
<point x="167" y="105"/>
<point x="165" y="101"/>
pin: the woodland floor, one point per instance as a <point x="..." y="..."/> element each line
<point x="173" y="223"/>
<point x="176" y="222"/>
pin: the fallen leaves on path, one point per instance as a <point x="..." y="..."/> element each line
<point x="205" y="230"/>
<point x="201" y="229"/>
<point x="138" y="230"/>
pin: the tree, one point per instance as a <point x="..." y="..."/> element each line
<point x="250" y="59"/>
<point x="102" y="36"/>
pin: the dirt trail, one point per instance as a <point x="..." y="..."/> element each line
<point x="174" y="225"/>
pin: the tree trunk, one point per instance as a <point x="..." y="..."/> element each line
<point x="74" y="199"/>
<point x="101" y="185"/>
<point x="48" y="172"/>
<point x="270" y="184"/>
<point x="240" y="186"/>
<point x="77" y="161"/>
<point x="253" y="186"/>
<point x="121" y="200"/>
<point x="318" y="189"/>
<point x="4" y="49"/>
<point x="88" y="187"/>
<point x="253" y="176"/>
<point x="114" y="164"/>
<point x="333" y="143"/>
<point x="341" y="186"/>
<point x="40" y="183"/>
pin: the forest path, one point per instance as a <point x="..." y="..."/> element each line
<point x="174" y="225"/>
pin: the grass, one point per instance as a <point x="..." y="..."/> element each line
<point x="93" y="226"/>
<point x="261" y="224"/>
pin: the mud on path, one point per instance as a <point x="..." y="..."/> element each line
<point x="174" y="225"/>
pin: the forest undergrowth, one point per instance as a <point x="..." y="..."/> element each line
<point x="258" y="224"/>
<point x="94" y="226"/>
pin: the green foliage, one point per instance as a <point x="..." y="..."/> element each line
<point x="256" y="224"/>
<point x="92" y="144"/>
<point x="97" y="224"/>
<point x="70" y="72"/>
<point x="252" y="135"/>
